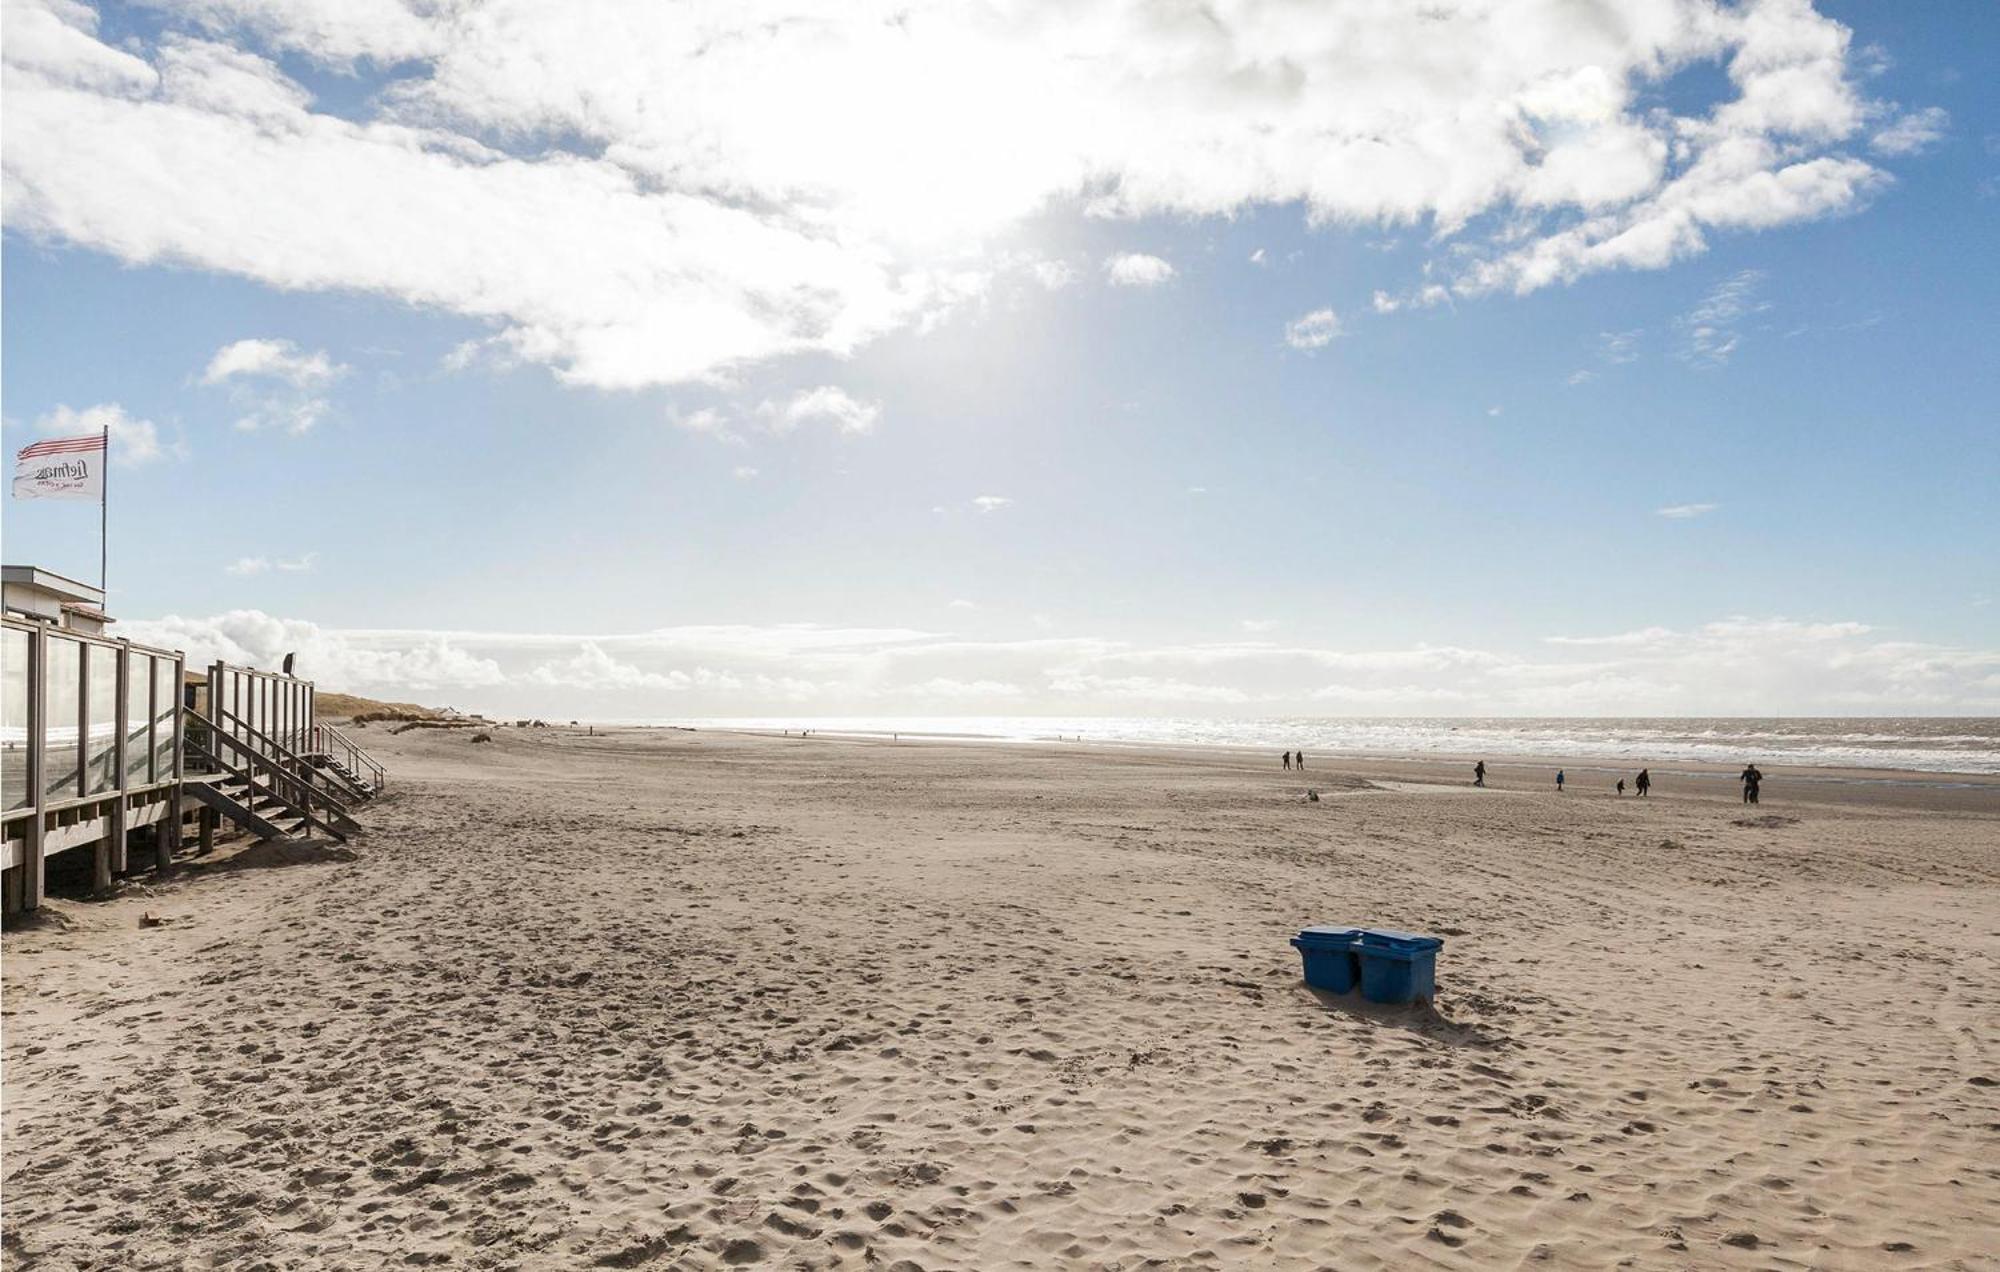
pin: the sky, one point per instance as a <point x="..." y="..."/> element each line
<point x="628" y="360"/>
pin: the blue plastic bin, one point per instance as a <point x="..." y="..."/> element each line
<point x="1398" y="967"/>
<point x="1330" y="957"/>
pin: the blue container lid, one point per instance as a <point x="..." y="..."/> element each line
<point x="1332" y="937"/>
<point x="1404" y="942"/>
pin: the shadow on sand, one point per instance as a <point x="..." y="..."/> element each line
<point x="1421" y="1017"/>
<point x="270" y="854"/>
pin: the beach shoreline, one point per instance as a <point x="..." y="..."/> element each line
<point x="1914" y="788"/>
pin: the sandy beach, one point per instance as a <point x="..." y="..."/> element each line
<point x="687" y="999"/>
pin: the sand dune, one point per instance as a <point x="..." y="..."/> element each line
<point x="688" y="1000"/>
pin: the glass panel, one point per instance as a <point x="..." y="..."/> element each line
<point x="101" y="758"/>
<point x="166" y="685"/>
<point x="64" y="688"/>
<point x="14" y="718"/>
<point x="138" y="720"/>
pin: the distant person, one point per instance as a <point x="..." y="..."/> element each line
<point x="1751" y="780"/>
<point x="1621" y="788"/>
<point x="1479" y="773"/>
<point x="1644" y="783"/>
<point x="1299" y="759"/>
<point x="1286" y="756"/>
<point x="1559" y="781"/>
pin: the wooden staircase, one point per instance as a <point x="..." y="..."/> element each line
<point x="333" y="752"/>
<point x="264" y="787"/>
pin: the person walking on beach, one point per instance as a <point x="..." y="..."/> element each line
<point x="1621" y="788"/>
<point x="1299" y="760"/>
<point x="1559" y="781"/>
<point x="1479" y="773"/>
<point x="1644" y="783"/>
<point x="1751" y="780"/>
<point x="1286" y="756"/>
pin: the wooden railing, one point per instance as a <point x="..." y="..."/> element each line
<point x="332" y="743"/>
<point x="240" y="750"/>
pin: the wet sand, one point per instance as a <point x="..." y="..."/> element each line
<point x="667" y="999"/>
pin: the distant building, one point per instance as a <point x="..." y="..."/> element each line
<point x="42" y="595"/>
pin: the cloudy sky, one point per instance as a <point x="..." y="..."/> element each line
<point x="634" y="359"/>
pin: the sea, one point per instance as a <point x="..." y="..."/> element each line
<point x="1933" y="744"/>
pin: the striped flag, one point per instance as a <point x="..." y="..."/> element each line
<point x="61" y="468"/>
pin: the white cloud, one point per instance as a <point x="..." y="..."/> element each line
<point x="743" y="472"/>
<point x="1684" y="512"/>
<point x="826" y="404"/>
<point x="1054" y="275"/>
<point x="1713" y="328"/>
<point x="1258" y="626"/>
<point x="1259" y="257"/>
<point x="134" y="442"/>
<point x="961" y="603"/>
<point x="1732" y="666"/>
<point x="275" y="383"/>
<point x="1493" y="411"/>
<point x="414" y="662"/>
<point x="1911" y="132"/>
<point x="1575" y="378"/>
<point x="708" y="419"/>
<point x="272" y="359"/>
<point x="1137" y="269"/>
<point x="852" y="168"/>
<point x="1315" y="330"/>
<point x="1618" y="347"/>
<point x="264" y="564"/>
<point x="592" y="668"/>
<point x="990" y="503"/>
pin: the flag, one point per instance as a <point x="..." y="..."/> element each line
<point x="61" y="468"/>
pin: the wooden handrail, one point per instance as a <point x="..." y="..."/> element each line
<point x="249" y="778"/>
<point x="355" y="754"/>
<point x="311" y="792"/>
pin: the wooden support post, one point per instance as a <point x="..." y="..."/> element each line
<point x="120" y="823"/>
<point x="100" y="865"/>
<point x="206" y="844"/>
<point x="38" y="782"/>
<point x="167" y="835"/>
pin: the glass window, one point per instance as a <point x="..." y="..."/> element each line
<point x="166" y="706"/>
<point x="64" y="687"/>
<point x="14" y="646"/>
<point x="101" y="759"/>
<point x="138" y="719"/>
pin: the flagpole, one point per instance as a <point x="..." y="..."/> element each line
<point x="104" y="519"/>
